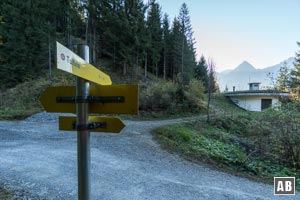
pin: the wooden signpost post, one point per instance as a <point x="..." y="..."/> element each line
<point x="84" y="99"/>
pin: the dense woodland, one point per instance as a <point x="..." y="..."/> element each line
<point x="128" y="36"/>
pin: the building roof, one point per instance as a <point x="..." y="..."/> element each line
<point x="257" y="93"/>
<point x="254" y="83"/>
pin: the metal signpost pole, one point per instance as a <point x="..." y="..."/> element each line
<point x="105" y="99"/>
<point x="83" y="134"/>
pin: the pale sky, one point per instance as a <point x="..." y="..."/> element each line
<point x="262" y="32"/>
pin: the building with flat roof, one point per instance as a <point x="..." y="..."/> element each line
<point x="255" y="99"/>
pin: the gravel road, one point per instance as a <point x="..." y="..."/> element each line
<point x="37" y="158"/>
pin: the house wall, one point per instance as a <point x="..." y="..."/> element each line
<point x="252" y="103"/>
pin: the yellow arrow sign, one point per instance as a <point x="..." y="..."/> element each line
<point x="110" y="125"/>
<point x="129" y="94"/>
<point x="70" y="62"/>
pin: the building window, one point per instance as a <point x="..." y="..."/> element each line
<point x="266" y="103"/>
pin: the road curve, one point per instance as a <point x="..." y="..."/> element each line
<point x="39" y="159"/>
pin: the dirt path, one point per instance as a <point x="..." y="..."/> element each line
<point x="37" y="158"/>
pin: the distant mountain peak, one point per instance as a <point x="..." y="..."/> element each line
<point x="244" y="66"/>
<point x="245" y="73"/>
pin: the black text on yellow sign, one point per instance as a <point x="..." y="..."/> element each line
<point x="110" y="124"/>
<point x="129" y="94"/>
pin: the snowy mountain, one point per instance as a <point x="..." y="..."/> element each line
<point x="245" y="73"/>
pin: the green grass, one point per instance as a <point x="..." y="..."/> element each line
<point x="224" y="106"/>
<point x="206" y="143"/>
<point x="23" y="100"/>
<point x="6" y="194"/>
<point x="206" y="146"/>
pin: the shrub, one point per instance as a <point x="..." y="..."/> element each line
<point x="285" y="138"/>
<point x="244" y="125"/>
<point x="194" y="94"/>
<point x="275" y="134"/>
<point x="157" y="96"/>
<point x="172" y="98"/>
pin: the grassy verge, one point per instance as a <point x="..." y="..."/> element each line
<point x="160" y="115"/>
<point x="223" y="106"/>
<point x="5" y="194"/>
<point x="222" y="149"/>
<point x="23" y="100"/>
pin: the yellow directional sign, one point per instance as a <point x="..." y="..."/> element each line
<point x="51" y="99"/>
<point x="70" y="62"/>
<point x="111" y="125"/>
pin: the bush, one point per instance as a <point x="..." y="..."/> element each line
<point x="285" y="138"/>
<point x="244" y="125"/>
<point x="157" y="96"/>
<point x="195" y="94"/>
<point x="172" y="98"/>
<point x="273" y="134"/>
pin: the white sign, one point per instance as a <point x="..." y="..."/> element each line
<point x="70" y="62"/>
<point x="66" y="58"/>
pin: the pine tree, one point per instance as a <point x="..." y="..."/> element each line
<point x="30" y="30"/>
<point x="201" y="72"/>
<point x="115" y="30"/>
<point x="166" y="47"/>
<point x="188" y="53"/>
<point x="134" y="11"/>
<point x="111" y="40"/>
<point x="212" y="84"/>
<point x="283" y="82"/>
<point x="121" y="33"/>
<point x="25" y="46"/>
<point x="176" y="48"/>
<point x="226" y="88"/>
<point x="295" y="74"/>
<point x="155" y="34"/>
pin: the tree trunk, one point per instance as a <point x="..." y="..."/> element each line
<point x="69" y="42"/>
<point x="49" y="55"/>
<point x="146" y="60"/>
<point x="156" y="69"/>
<point x="86" y="29"/>
<point x="210" y="83"/>
<point x="124" y="69"/>
<point x="164" y="65"/>
<point x="182" y="50"/>
<point x="137" y="66"/>
<point x="114" y="56"/>
<point x="173" y="75"/>
<point x="94" y="46"/>
<point x="208" y="104"/>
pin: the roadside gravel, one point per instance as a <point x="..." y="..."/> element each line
<point x="37" y="158"/>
